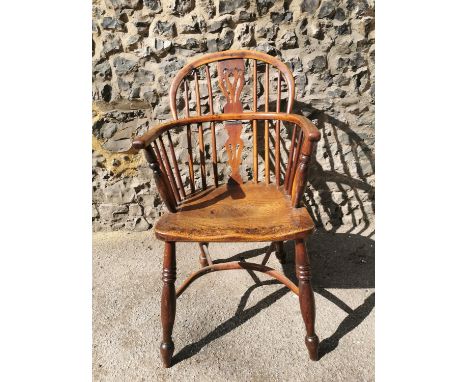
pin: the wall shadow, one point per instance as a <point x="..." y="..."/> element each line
<point x="345" y="165"/>
<point x="348" y="163"/>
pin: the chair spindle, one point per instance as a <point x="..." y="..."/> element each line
<point x="295" y="162"/>
<point x="162" y="167"/>
<point x="255" y="153"/>
<point x="160" y="178"/>
<point x="176" y="165"/>
<point x="189" y="138"/>
<point x="214" y="154"/>
<point x="167" y="164"/>
<point x="201" y="144"/>
<point x="290" y="159"/>
<point x="267" y="124"/>
<point x="277" y="139"/>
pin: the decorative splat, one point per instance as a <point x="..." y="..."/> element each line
<point x="231" y="82"/>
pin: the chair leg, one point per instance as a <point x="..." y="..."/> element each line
<point x="306" y="298"/>
<point x="202" y="258"/>
<point x="280" y="254"/>
<point x="168" y="303"/>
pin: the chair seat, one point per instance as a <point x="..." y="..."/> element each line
<point x="247" y="212"/>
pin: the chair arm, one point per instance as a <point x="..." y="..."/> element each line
<point x="310" y="131"/>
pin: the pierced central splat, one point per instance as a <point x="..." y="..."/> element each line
<point x="231" y="82"/>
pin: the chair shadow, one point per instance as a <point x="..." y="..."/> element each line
<point x="339" y="260"/>
<point x="239" y="318"/>
<point x="342" y="261"/>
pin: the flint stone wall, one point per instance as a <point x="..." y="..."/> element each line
<point x="139" y="45"/>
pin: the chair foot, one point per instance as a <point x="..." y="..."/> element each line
<point x="306" y="298"/>
<point x="167" y="350"/>
<point x="312" y="344"/>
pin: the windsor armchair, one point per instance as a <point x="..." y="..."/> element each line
<point x="211" y="203"/>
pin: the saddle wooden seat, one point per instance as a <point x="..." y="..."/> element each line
<point x="259" y="202"/>
<point x="247" y="212"/>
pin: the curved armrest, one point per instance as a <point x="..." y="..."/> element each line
<point x="310" y="135"/>
<point x="310" y="131"/>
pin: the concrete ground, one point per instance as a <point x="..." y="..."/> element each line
<point x="228" y="326"/>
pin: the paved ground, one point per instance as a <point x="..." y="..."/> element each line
<point x="228" y="328"/>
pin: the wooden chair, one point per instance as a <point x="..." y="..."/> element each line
<point x="266" y="208"/>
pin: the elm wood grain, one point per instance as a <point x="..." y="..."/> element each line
<point x="248" y="212"/>
<point x="233" y="265"/>
<point x="306" y="298"/>
<point x="168" y="302"/>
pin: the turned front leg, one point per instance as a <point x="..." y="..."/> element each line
<point x="168" y="303"/>
<point x="306" y="298"/>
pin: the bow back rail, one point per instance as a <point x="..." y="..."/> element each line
<point x="232" y="55"/>
<point x="241" y="87"/>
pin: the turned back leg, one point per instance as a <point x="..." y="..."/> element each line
<point x="306" y="298"/>
<point x="280" y="254"/>
<point x="168" y="303"/>
<point x="202" y="258"/>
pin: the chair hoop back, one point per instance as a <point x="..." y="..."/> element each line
<point x="232" y="55"/>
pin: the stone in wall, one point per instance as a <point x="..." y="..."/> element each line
<point x="138" y="47"/>
<point x="182" y="7"/>
<point x="231" y="6"/>
<point x="153" y="5"/>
